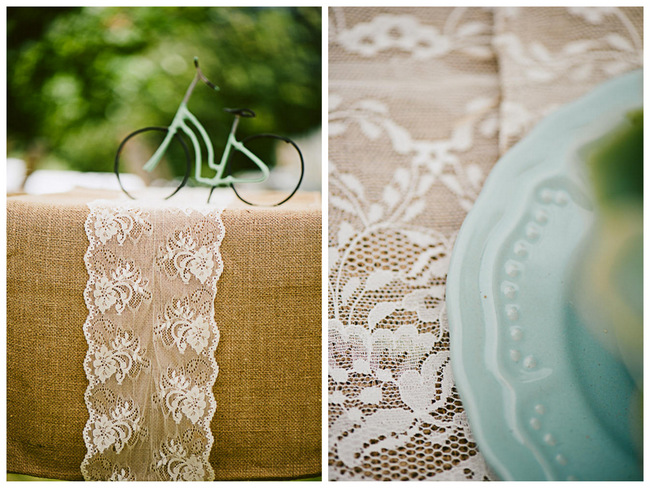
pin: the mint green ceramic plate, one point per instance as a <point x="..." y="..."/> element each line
<point x="544" y="399"/>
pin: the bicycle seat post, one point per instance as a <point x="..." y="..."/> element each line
<point x="234" y="125"/>
<point x="238" y="112"/>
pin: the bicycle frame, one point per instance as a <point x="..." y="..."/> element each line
<point x="183" y="115"/>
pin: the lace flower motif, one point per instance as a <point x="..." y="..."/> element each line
<point x="194" y="404"/>
<point x="184" y="257"/>
<point x="183" y="326"/>
<point x="118" y="429"/>
<point x="125" y="286"/>
<point x="124" y="357"/>
<point x="181" y="399"/>
<point x="123" y="474"/>
<point x="198" y="334"/>
<point x="104" y="433"/>
<point x="105" y="295"/>
<point x="192" y="470"/>
<point x="201" y="264"/>
<point x="180" y="465"/>
<point x="120" y="222"/>
<point x="105" y="226"/>
<point x="105" y="365"/>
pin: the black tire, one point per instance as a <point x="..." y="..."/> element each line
<point x="286" y="193"/>
<point x="188" y="161"/>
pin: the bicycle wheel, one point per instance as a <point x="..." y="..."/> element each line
<point x="287" y="170"/>
<point x="134" y="152"/>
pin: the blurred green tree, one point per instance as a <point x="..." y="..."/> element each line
<point x="80" y="79"/>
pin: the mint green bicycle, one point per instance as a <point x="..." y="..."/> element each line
<point x="185" y="122"/>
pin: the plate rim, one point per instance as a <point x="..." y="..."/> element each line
<point x="577" y="113"/>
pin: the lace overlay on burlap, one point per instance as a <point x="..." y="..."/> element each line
<point x="551" y="56"/>
<point x="151" y="333"/>
<point x="423" y="101"/>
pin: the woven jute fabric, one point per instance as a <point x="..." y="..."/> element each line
<point x="268" y="310"/>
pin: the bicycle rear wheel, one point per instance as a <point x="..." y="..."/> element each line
<point x="136" y="149"/>
<point x="287" y="170"/>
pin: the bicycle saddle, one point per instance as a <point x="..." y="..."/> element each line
<point x="242" y="112"/>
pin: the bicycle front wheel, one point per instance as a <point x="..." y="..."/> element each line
<point x="136" y="149"/>
<point x="284" y="158"/>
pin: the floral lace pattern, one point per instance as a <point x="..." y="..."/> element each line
<point x="121" y="357"/>
<point x="422" y="103"/>
<point x="120" y="224"/>
<point x="181" y="398"/>
<point x="178" y="464"/>
<point x="185" y="256"/>
<point x="119" y="427"/>
<point x="151" y="340"/>
<point x="183" y="325"/>
<point x="123" y="285"/>
<point x="540" y="71"/>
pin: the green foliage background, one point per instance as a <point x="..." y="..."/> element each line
<point x="80" y="79"/>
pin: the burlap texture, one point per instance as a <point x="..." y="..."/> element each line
<point x="268" y="310"/>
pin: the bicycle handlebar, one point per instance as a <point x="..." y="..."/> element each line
<point x="202" y="76"/>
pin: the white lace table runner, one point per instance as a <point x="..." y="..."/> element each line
<point x="152" y="337"/>
<point x="423" y="101"/>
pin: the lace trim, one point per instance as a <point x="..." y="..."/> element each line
<point x="153" y="272"/>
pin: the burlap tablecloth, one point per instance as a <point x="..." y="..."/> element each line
<point x="268" y="310"/>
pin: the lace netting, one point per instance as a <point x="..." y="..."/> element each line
<point x="151" y="336"/>
<point x="423" y="101"/>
